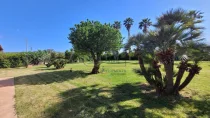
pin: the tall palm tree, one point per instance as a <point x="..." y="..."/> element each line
<point x="144" y="24"/>
<point x="117" y="25"/>
<point x="128" y="22"/>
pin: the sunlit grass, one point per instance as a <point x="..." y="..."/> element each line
<point x="116" y="92"/>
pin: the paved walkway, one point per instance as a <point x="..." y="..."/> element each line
<point x="7" y="100"/>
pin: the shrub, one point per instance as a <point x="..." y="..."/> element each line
<point x="25" y="61"/>
<point x="59" y="63"/>
<point x="15" y="59"/>
<point x="4" y="64"/>
<point x="49" y="64"/>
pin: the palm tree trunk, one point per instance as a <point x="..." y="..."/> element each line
<point x="129" y="34"/>
<point x="129" y="48"/>
<point x="144" y="72"/>
<point x="141" y="64"/>
<point x="187" y="80"/>
<point x="180" y="74"/>
<point x="169" y="76"/>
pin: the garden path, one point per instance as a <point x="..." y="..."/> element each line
<point x="7" y="98"/>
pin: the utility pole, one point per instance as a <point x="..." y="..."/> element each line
<point x="26" y="53"/>
<point x="26" y="45"/>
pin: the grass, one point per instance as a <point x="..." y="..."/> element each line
<point x="116" y="92"/>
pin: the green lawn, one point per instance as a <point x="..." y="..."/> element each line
<point x="116" y="92"/>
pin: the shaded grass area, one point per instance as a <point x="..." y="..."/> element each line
<point x="126" y="100"/>
<point x="45" y="92"/>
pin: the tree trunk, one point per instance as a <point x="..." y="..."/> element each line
<point x="96" y="67"/>
<point x="141" y="64"/>
<point x="187" y="80"/>
<point x="129" y="48"/>
<point x="169" y="76"/>
<point x="157" y="69"/>
<point x="144" y="72"/>
<point x="180" y="74"/>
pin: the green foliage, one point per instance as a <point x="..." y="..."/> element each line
<point x="128" y="22"/>
<point x="25" y="61"/>
<point x="68" y="56"/>
<point x="49" y="64"/>
<point x="1" y="49"/>
<point x="36" y="57"/>
<point x="172" y="32"/>
<point x="94" y="38"/>
<point x="116" y="25"/>
<point x="56" y="59"/>
<point x="59" y="63"/>
<point x="144" y="24"/>
<point x="15" y="59"/>
<point x="11" y="60"/>
<point x="4" y="63"/>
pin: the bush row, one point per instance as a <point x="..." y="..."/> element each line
<point x="13" y="60"/>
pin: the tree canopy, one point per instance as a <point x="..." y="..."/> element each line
<point x="94" y="38"/>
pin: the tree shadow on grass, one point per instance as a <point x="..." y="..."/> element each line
<point x="44" y="68"/>
<point x="120" y="62"/>
<point x="127" y="101"/>
<point x="137" y="71"/>
<point x="49" y="77"/>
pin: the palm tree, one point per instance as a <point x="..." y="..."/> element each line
<point x="117" y="25"/>
<point x="171" y="27"/>
<point x="197" y="17"/>
<point x="144" y="24"/>
<point x="128" y="22"/>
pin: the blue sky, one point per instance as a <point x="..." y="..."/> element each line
<point x="45" y="23"/>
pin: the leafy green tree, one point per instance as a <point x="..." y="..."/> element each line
<point x="144" y="24"/>
<point x="94" y="38"/>
<point x="67" y="55"/>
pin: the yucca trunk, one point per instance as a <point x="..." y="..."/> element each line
<point x="169" y="76"/>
